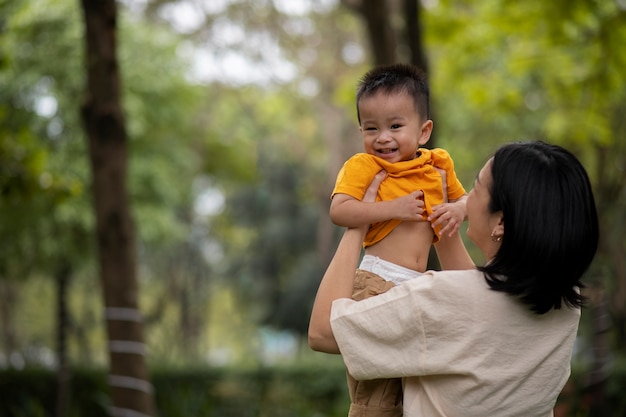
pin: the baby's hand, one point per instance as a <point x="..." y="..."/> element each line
<point x="409" y="207"/>
<point x="449" y="216"/>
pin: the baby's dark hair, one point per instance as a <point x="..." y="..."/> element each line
<point x="396" y="78"/>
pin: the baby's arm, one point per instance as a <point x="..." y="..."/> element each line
<point x="347" y="211"/>
<point x="449" y="216"/>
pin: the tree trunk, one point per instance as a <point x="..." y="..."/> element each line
<point x="413" y="34"/>
<point x="382" y="38"/>
<point x="415" y="44"/>
<point x="8" y="333"/>
<point x="63" y="274"/>
<point x="108" y="150"/>
<point x="598" y="376"/>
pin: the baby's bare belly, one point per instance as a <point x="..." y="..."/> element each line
<point x="407" y="245"/>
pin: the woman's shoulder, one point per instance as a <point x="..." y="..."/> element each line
<point x="455" y="276"/>
<point x="456" y="287"/>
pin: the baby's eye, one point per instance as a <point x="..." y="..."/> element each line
<point x="370" y="128"/>
<point x="396" y="126"/>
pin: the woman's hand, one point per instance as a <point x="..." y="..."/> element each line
<point x="372" y="190"/>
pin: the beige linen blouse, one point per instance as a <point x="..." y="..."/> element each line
<point x="464" y="349"/>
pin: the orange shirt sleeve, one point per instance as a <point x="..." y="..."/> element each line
<point x="355" y="176"/>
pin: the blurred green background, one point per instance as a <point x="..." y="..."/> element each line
<point x="239" y="115"/>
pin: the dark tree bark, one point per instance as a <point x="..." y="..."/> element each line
<point x="607" y="302"/>
<point x="413" y="34"/>
<point x="8" y="300"/>
<point x="382" y="38"/>
<point x="108" y="151"/>
<point x="62" y="275"/>
<point x="418" y="57"/>
<point x="598" y="375"/>
<point x="608" y="188"/>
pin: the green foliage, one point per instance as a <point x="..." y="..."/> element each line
<point x="615" y="388"/>
<point x="162" y="112"/>
<point x="263" y="392"/>
<point x="528" y="70"/>
<point x="33" y="189"/>
<point x="501" y="71"/>
<point x="32" y="393"/>
<point x="45" y="206"/>
<point x="275" y="266"/>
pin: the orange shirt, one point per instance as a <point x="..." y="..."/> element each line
<point x="402" y="178"/>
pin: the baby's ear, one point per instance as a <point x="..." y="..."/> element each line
<point x="426" y="130"/>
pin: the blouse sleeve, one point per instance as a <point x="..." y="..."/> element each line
<point x="381" y="337"/>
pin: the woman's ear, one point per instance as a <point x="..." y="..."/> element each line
<point x="498" y="228"/>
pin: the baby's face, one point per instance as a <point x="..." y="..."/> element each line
<point x="392" y="128"/>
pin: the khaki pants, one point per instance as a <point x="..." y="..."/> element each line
<point x="376" y="397"/>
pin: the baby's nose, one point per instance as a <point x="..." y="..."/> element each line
<point x="385" y="136"/>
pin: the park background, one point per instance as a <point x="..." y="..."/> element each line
<point x="235" y="117"/>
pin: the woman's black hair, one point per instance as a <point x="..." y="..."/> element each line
<point x="550" y="225"/>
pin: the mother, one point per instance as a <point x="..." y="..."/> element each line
<point x="494" y="340"/>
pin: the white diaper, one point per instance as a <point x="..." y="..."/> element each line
<point x="388" y="270"/>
